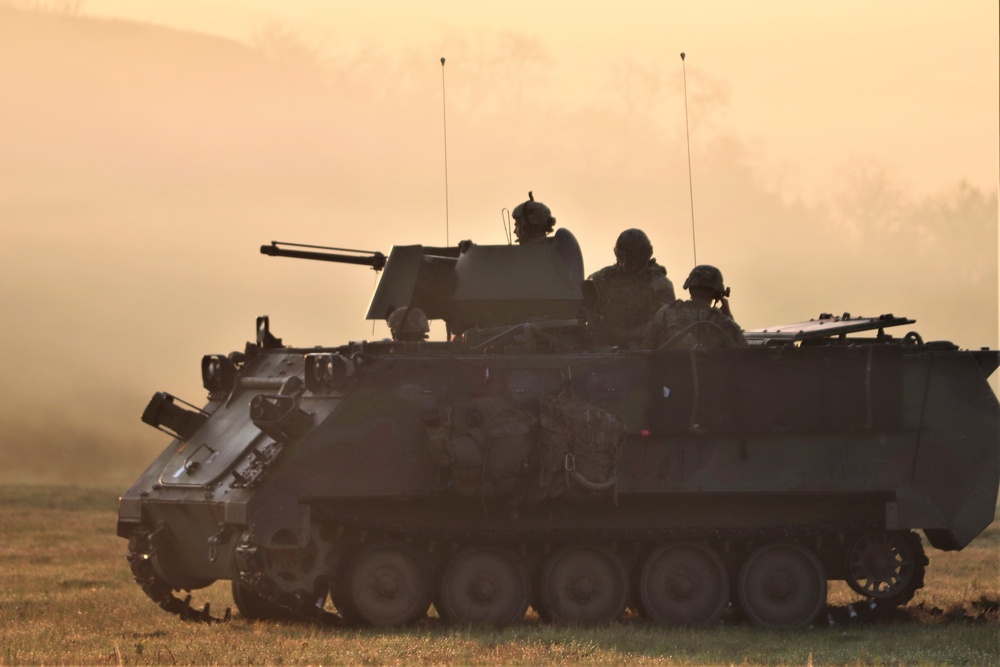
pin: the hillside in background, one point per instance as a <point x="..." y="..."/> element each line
<point x="142" y="167"/>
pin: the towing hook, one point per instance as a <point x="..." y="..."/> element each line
<point x="214" y="541"/>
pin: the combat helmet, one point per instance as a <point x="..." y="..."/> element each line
<point x="633" y="249"/>
<point x="707" y="277"/>
<point x="407" y="323"/>
<point x="535" y="219"/>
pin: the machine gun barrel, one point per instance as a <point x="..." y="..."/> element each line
<point x="376" y="260"/>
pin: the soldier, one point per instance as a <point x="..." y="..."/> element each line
<point x="670" y="322"/>
<point x="628" y="293"/>
<point x="408" y="323"/>
<point x="533" y="221"/>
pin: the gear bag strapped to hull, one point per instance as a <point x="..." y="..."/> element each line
<point x="579" y="445"/>
<point x="488" y="448"/>
<point x="483" y="444"/>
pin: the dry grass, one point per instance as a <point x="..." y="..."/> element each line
<point x="67" y="598"/>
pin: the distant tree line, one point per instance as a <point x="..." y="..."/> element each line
<point x="69" y="7"/>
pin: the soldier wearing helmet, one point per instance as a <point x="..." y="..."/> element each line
<point x="697" y="321"/>
<point x="408" y="323"/>
<point x="628" y="293"/>
<point x="533" y="221"/>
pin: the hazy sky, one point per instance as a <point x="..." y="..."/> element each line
<point x="815" y="83"/>
<point x="845" y="158"/>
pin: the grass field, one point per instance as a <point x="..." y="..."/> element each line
<point x="66" y="597"/>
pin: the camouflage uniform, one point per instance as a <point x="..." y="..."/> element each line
<point x="672" y="319"/>
<point x="626" y="301"/>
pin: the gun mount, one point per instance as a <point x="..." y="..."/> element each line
<point x="470" y="286"/>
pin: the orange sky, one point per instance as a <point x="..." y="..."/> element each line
<point x="141" y="169"/>
<point x="815" y="84"/>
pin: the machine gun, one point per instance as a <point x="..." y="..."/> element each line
<point x="376" y="260"/>
<point x="473" y="286"/>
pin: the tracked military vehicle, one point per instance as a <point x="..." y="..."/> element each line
<point x="518" y="464"/>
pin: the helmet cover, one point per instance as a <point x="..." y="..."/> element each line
<point x="633" y="248"/>
<point x="407" y="323"/>
<point x="706" y="276"/>
<point x="534" y="216"/>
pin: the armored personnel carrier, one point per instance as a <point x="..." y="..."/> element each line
<point x="519" y="464"/>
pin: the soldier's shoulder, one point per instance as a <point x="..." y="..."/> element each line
<point x="720" y="316"/>
<point x="730" y="326"/>
<point x="603" y="274"/>
<point x="654" y="269"/>
<point x="668" y="310"/>
<point x="656" y="275"/>
<point x="661" y="283"/>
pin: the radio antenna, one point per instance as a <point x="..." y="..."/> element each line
<point x="687" y="131"/>
<point x="444" y="117"/>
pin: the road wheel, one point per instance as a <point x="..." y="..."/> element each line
<point x="684" y="584"/>
<point x="585" y="584"/>
<point x="384" y="584"/>
<point x="485" y="585"/>
<point x="782" y="585"/>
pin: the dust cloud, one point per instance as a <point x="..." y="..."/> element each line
<point x="143" y="166"/>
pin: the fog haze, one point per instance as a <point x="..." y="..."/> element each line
<point x="143" y="165"/>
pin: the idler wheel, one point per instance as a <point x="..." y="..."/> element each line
<point x="886" y="566"/>
<point x="684" y="584"/>
<point x="485" y="585"/>
<point x="584" y="584"/>
<point x="384" y="584"/>
<point x="782" y="585"/>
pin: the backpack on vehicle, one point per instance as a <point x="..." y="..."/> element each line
<point x="482" y="445"/>
<point x="579" y="447"/>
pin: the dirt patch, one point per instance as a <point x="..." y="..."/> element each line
<point x="985" y="609"/>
